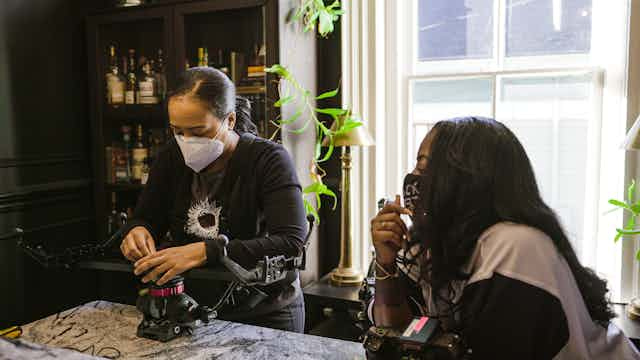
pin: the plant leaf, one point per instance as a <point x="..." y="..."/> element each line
<point x="328" y="94"/>
<point x="348" y="126"/>
<point x="334" y="5"/>
<point x="321" y="189"/>
<point x="302" y="129"/>
<point x="312" y="188"/>
<point x="631" y="192"/>
<point x="332" y="111"/>
<point x="309" y="209"/>
<point x="279" y="70"/>
<point x="638" y="255"/>
<point x="628" y="232"/>
<point x="283" y="101"/>
<point x="619" y="204"/>
<point x="325" y="23"/>
<point x="327" y="156"/>
<point x="618" y="236"/>
<point x="610" y="211"/>
<point x="330" y="193"/>
<point x="292" y="119"/>
<point x="325" y="130"/>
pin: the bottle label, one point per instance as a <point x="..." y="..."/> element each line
<point x="136" y="171"/>
<point x="117" y="92"/>
<point x="148" y="100"/>
<point x="146" y="89"/>
<point x="121" y="175"/>
<point x="144" y="178"/>
<point x="139" y="155"/>
<point x="130" y="97"/>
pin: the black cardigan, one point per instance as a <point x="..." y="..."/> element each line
<point x="261" y="201"/>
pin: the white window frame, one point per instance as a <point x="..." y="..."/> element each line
<point x="608" y="62"/>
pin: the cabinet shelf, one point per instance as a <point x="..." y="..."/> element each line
<point x="135" y="111"/>
<point x="250" y="90"/>
<point x="123" y="187"/>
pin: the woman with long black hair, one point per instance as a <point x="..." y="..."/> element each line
<point x="487" y="256"/>
<point x="216" y="177"/>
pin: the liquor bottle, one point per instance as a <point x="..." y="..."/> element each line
<point x="221" y="64"/>
<point x="139" y="153"/>
<point x="130" y="93"/>
<point x="147" y="87"/>
<point x="114" y="80"/>
<point x="200" y="56"/>
<point x="205" y="57"/>
<point x="115" y="219"/>
<point x="262" y="55"/>
<point x="145" y="171"/>
<point x="161" y="78"/>
<point x="238" y="67"/>
<point x="123" y="160"/>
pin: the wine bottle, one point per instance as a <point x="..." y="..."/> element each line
<point x="130" y="93"/>
<point x="200" y="56"/>
<point x="114" y="80"/>
<point x="123" y="158"/>
<point x="139" y="153"/>
<point x="147" y="87"/>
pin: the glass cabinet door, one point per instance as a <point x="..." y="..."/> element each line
<point x="231" y="37"/>
<point x="130" y="68"/>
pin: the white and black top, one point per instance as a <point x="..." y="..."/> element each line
<point x="520" y="302"/>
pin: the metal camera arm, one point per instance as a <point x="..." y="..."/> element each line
<point x="68" y="257"/>
<point x="169" y="312"/>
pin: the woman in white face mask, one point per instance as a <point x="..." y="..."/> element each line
<point x="216" y="177"/>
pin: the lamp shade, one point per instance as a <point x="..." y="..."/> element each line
<point x="632" y="141"/>
<point x="358" y="136"/>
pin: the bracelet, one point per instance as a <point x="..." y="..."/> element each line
<point x="386" y="274"/>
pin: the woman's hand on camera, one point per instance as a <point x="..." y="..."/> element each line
<point x="389" y="233"/>
<point x="137" y="244"/>
<point x="164" y="265"/>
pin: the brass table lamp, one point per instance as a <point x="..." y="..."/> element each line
<point x="346" y="274"/>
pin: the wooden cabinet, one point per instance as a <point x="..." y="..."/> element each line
<point x="179" y="29"/>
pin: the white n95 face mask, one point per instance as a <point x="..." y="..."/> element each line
<point x="199" y="152"/>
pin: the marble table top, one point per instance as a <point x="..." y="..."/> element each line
<point x="105" y="329"/>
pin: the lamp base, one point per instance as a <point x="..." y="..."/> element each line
<point x="346" y="277"/>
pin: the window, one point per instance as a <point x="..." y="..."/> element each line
<point x="539" y="66"/>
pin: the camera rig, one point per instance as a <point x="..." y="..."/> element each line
<point x="167" y="310"/>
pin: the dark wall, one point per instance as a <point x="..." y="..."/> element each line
<point x="329" y="76"/>
<point x="44" y="160"/>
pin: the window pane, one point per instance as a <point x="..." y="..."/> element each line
<point x="455" y="29"/>
<point x="548" y="27"/>
<point x="435" y="100"/>
<point x="551" y="117"/>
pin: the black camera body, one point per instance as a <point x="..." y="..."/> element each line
<point x="169" y="312"/>
<point x="421" y="340"/>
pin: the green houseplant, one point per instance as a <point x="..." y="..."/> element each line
<point x="632" y="206"/>
<point x="313" y="14"/>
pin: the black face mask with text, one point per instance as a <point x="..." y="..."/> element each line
<point x="411" y="191"/>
